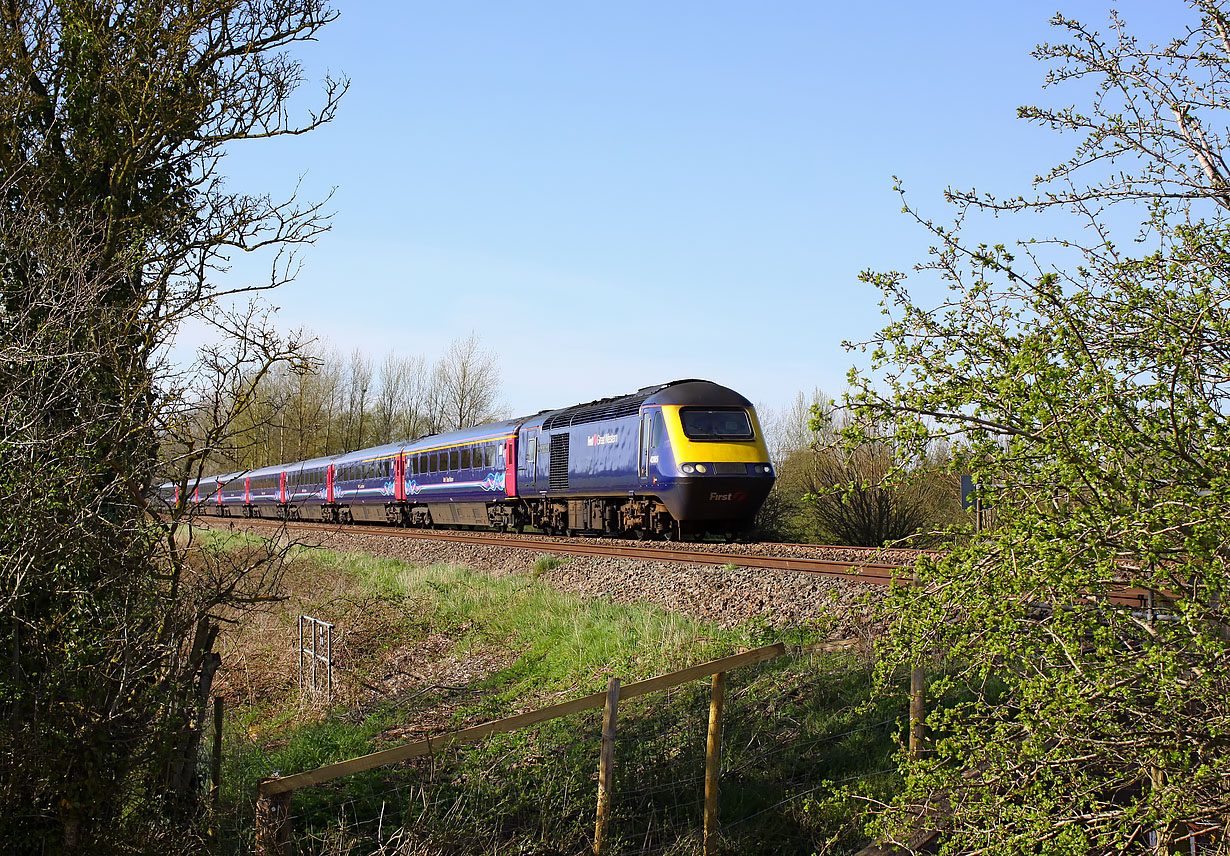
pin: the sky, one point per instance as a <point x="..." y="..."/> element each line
<point x="614" y="195"/>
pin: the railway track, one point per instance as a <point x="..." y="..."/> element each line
<point x="684" y="554"/>
<point x="854" y="566"/>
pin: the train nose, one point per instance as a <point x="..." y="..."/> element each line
<point x="722" y="498"/>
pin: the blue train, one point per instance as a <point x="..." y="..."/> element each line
<point x="677" y="460"/>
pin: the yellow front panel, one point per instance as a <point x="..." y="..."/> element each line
<point x="752" y="451"/>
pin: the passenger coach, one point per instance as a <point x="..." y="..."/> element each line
<point x="677" y="460"/>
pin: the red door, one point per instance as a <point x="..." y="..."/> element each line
<point x="247" y="490"/>
<point x="329" y="484"/>
<point x="399" y="477"/>
<point x="510" y="467"/>
<point x="282" y="487"/>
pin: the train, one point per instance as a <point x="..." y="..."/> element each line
<point x="678" y="460"/>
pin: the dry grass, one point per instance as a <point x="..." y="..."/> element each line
<point x="260" y="661"/>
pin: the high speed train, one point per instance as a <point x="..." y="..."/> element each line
<point x="678" y="460"/>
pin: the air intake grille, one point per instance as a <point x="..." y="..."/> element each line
<point x="559" y="461"/>
<point x="596" y="412"/>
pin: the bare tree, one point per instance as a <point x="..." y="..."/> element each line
<point x="466" y="380"/>
<point x="400" y="400"/>
<point x="358" y="378"/>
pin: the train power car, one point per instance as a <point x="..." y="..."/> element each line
<point x="676" y="460"/>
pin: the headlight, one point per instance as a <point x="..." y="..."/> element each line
<point x="701" y="468"/>
<point x="688" y="468"/>
<point x="767" y="470"/>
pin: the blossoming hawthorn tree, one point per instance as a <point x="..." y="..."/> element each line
<point x="1086" y="382"/>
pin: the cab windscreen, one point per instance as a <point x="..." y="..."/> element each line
<point x="715" y="424"/>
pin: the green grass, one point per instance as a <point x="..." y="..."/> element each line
<point x="791" y="725"/>
<point x="565" y="643"/>
<point x="545" y="563"/>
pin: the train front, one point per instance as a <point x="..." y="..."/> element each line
<point x="705" y="456"/>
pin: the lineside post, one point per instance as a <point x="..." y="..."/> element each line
<point x="918" y="700"/>
<point x="606" y="766"/>
<point x="215" y="767"/>
<point x="713" y="762"/>
<point x="273" y="824"/>
<point x="918" y="710"/>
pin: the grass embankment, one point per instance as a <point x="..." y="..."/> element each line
<point x="426" y="650"/>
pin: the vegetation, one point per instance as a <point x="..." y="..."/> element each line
<point x="512" y="643"/>
<point x="830" y="493"/>
<point x="113" y="219"/>
<point x="1087" y="380"/>
<point x="324" y="403"/>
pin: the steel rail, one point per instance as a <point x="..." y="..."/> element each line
<point x="867" y="572"/>
<point x="874" y="573"/>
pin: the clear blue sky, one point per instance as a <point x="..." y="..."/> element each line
<point x="618" y="194"/>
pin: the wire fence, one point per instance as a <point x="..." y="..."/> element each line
<point x="792" y="727"/>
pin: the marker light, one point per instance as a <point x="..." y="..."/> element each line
<point x="688" y="469"/>
<point x="701" y="468"/>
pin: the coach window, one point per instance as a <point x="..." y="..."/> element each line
<point x="431" y="463"/>
<point x="454" y="460"/>
<point x="465" y="458"/>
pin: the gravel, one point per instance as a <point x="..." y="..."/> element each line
<point x="723" y="595"/>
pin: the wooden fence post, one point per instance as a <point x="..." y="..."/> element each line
<point x="713" y="761"/>
<point x="918" y="700"/>
<point x="273" y="824"/>
<point x="918" y="710"/>
<point x="606" y="766"/>
<point x="215" y="766"/>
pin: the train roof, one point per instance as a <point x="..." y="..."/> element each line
<point x="311" y="463"/>
<point x="681" y="392"/>
<point x="701" y="393"/>
<point x="487" y="433"/>
<point x="388" y="450"/>
<point x="271" y="470"/>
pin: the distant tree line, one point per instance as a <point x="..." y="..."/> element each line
<point x="324" y="403"/>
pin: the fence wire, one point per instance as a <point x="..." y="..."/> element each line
<point x="791" y="728"/>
